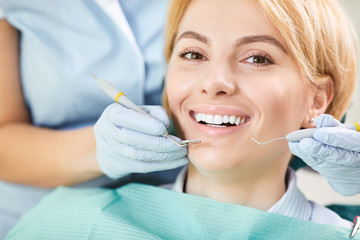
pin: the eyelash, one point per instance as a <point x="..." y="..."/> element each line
<point x="185" y="52"/>
<point x="269" y="60"/>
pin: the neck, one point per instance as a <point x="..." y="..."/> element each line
<point x="259" y="189"/>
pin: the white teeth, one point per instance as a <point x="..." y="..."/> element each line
<point x="209" y="118"/>
<point x="214" y="125"/>
<point x="203" y="117"/>
<point x="232" y="119"/>
<point x="217" y="120"/>
<point x="198" y="117"/>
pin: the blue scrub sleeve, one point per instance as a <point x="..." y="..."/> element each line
<point x="2" y="15"/>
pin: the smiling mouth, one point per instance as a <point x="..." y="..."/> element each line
<point x="220" y="120"/>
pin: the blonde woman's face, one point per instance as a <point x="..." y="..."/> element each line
<point x="230" y="78"/>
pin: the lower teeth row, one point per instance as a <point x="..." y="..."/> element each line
<point x="214" y="125"/>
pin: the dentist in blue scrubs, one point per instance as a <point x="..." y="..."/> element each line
<point x="49" y="103"/>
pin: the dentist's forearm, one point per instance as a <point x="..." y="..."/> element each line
<point x="46" y="158"/>
<point x="32" y="155"/>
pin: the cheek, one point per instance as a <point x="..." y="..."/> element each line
<point x="179" y="86"/>
<point x="292" y="100"/>
<point x="280" y="99"/>
<point x="180" y="83"/>
<point x="284" y="103"/>
<point x="174" y="88"/>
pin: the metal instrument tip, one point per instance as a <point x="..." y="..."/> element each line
<point x="272" y="140"/>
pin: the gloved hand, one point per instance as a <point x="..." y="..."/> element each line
<point x="334" y="152"/>
<point x="131" y="142"/>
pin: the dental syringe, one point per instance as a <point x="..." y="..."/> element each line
<point x="307" y="133"/>
<point x="120" y="97"/>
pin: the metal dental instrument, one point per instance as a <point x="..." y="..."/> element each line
<point x="120" y="97"/>
<point x="307" y="133"/>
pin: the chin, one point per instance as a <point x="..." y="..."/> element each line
<point x="215" y="161"/>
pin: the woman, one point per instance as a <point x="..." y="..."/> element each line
<point x="263" y="76"/>
<point x="227" y="81"/>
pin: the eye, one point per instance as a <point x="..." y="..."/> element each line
<point x="260" y="60"/>
<point x="192" y="56"/>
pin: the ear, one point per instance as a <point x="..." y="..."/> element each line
<point x="323" y="94"/>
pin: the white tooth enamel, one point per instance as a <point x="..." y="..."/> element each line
<point x="198" y="117"/>
<point x="209" y="118"/>
<point x="203" y="117"/>
<point x="218" y="119"/>
<point x="225" y="119"/>
<point x="215" y="125"/>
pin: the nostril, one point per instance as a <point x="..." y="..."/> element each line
<point x="221" y="93"/>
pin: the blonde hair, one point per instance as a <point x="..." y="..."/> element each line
<point x="318" y="34"/>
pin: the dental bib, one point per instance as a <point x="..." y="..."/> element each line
<point x="138" y="211"/>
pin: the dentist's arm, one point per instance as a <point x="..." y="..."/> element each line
<point x="29" y="154"/>
<point x="334" y="153"/>
<point x="49" y="158"/>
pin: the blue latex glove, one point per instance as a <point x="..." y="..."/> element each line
<point x="131" y="142"/>
<point x="334" y="153"/>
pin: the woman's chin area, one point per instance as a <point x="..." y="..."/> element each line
<point x="235" y="154"/>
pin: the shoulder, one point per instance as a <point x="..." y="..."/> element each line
<point x="323" y="215"/>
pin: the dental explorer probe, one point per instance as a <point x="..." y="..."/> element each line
<point x="120" y="97"/>
<point x="308" y="133"/>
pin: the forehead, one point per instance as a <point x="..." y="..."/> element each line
<point x="228" y="19"/>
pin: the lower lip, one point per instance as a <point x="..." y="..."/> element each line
<point x="217" y="131"/>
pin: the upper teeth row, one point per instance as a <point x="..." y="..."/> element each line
<point x="219" y="119"/>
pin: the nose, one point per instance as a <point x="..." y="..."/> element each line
<point x="219" y="81"/>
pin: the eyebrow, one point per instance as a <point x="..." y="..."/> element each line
<point x="239" y="42"/>
<point x="259" y="38"/>
<point x="194" y="35"/>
